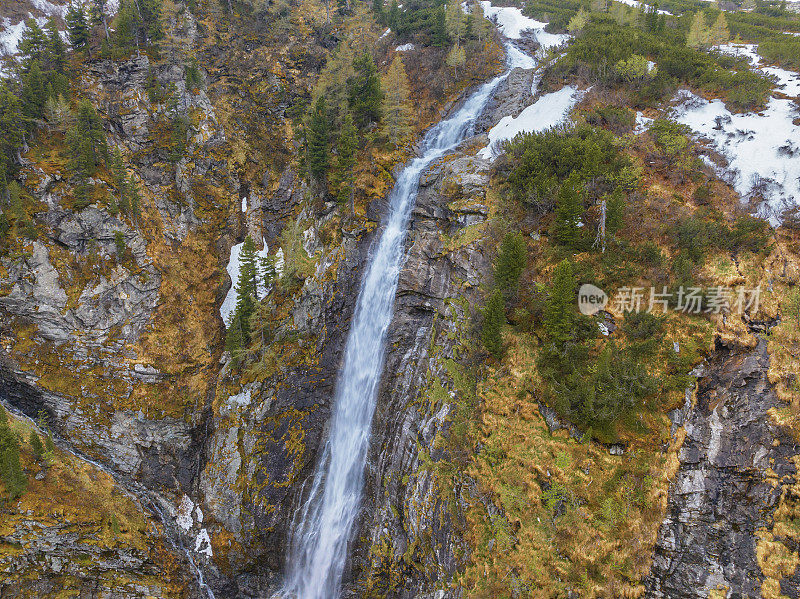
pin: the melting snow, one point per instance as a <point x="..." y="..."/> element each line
<point x="549" y="110"/>
<point x="511" y="23"/>
<point x="234" y="266"/>
<point x="202" y="543"/>
<point x="405" y="48"/>
<point x="244" y="204"/>
<point x="762" y="149"/>
<point x="10" y="37"/>
<point x="642" y="123"/>
<point x="240" y="399"/>
<point x="385" y="33"/>
<point x="184" y="516"/>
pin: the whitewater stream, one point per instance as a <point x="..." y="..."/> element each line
<point x="324" y="523"/>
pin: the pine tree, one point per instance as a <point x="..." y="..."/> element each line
<point x="36" y="445"/>
<point x="87" y="142"/>
<point x="248" y="273"/>
<point x="34" y="92"/>
<point x="77" y="27"/>
<point x="481" y="26"/>
<point x="719" y="33"/>
<point x="365" y="91"/>
<point x="56" y="48"/>
<point x="615" y="212"/>
<point x="511" y="261"/>
<point x="569" y="209"/>
<point x="457" y="57"/>
<point x="12" y="127"/>
<point x="33" y="45"/>
<point x="455" y="21"/>
<point x="97" y="15"/>
<point x="396" y="106"/>
<point x="317" y="157"/>
<point x="494" y="317"/>
<point x="11" y="473"/>
<point x="346" y="148"/>
<point x="559" y="311"/>
<point x="578" y="21"/>
<point x="333" y="83"/>
<point x="699" y="33"/>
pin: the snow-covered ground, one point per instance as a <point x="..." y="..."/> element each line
<point x="762" y="149"/>
<point x="10" y="37"/>
<point x="233" y="268"/>
<point x="511" y="23"/>
<point x="404" y="48"/>
<point x="548" y="111"/>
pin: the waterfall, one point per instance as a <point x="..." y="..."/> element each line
<point x="323" y="525"/>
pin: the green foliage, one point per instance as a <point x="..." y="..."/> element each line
<point x="566" y="230"/>
<point x="12" y="129"/>
<point x="318" y="142"/>
<point x="11" y="473"/>
<point x="346" y="148"/>
<point x="119" y="242"/>
<point x="541" y="161"/>
<point x="87" y="143"/>
<point x="77" y="26"/>
<point x="192" y="75"/>
<point x="511" y="261"/>
<point x="365" y="93"/>
<point x="424" y="20"/>
<point x="559" y="311"/>
<point x="138" y="23"/>
<point x="36" y="445"/>
<point x="671" y="138"/>
<point x="640" y="326"/>
<point x="494" y="317"/>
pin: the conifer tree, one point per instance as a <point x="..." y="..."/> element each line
<point x="97" y="15"/>
<point x="578" y="21"/>
<point x="87" y="142"/>
<point x="36" y="445"/>
<point x="12" y="128"/>
<point x="559" y="311"/>
<point x="481" y="26"/>
<point x="396" y="106"/>
<point x="494" y="317"/>
<point x="719" y="33"/>
<point x="239" y="328"/>
<point x="334" y="81"/>
<point x="566" y="225"/>
<point x="457" y="57"/>
<point x="365" y="91"/>
<point x="56" y="49"/>
<point x="346" y="148"/>
<point x="34" y="93"/>
<point x="11" y="473"/>
<point x="33" y="45"/>
<point x="318" y="141"/>
<point x="77" y="27"/>
<point x="511" y="260"/>
<point x="699" y="33"/>
<point x="455" y="21"/>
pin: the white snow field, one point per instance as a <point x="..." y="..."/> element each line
<point x="762" y="148"/>
<point x="511" y="23"/>
<point x="233" y="268"/>
<point x="548" y="111"/>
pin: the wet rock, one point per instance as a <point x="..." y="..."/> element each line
<point x="721" y="496"/>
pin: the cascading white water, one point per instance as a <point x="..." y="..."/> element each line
<point x="323" y="525"/>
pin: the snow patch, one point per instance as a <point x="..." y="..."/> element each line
<point x="244" y="204"/>
<point x="385" y="33"/>
<point x="240" y="399"/>
<point x="50" y="9"/>
<point x="198" y="514"/>
<point x="233" y="268"/>
<point x="404" y="48"/>
<point x="762" y="149"/>
<point x="512" y="23"/>
<point x="642" y="123"/>
<point x="548" y="111"/>
<point x="202" y="544"/>
<point x="184" y="515"/>
<point x="10" y="37"/>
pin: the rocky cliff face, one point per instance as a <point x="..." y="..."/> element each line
<point x="736" y="467"/>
